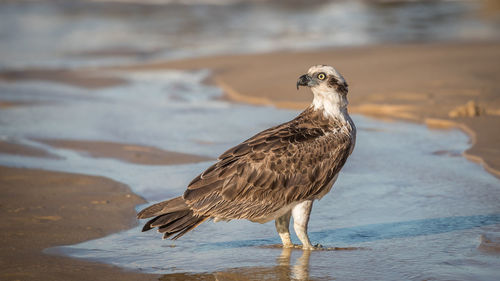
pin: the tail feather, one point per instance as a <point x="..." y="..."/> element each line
<point x="191" y="226"/>
<point x="147" y="226"/>
<point x="171" y="217"/>
<point x="172" y="205"/>
<point x="175" y="224"/>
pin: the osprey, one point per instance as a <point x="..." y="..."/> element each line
<point x="274" y="175"/>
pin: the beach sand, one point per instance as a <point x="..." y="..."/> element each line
<point x="85" y="79"/>
<point x="14" y="148"/>
<point x="41" y="209"/>
<point x="132" y="153"/>
<point x="430" y="83"/>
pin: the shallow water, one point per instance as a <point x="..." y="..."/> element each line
<point x="410" y="213"/>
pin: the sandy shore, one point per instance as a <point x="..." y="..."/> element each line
<point x="132" y="153"/>
<point x="11" y="147"/>
<point x="41" y="209"/>
<point x="78" y="78"/>
<point x="443" y="85"/>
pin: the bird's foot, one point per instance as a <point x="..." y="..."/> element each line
<point x="292" y="246"/>
<point x="317" y="247"/>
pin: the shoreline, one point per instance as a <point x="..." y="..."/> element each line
<point x="42" y="209"/>
<point x="53" y="209"/>
<point x="433" y="84"/>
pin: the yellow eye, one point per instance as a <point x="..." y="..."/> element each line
<point x="321" y="76"/>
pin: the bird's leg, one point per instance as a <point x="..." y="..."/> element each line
<point x="300" y="220"/>
<point x="282" y="226"/>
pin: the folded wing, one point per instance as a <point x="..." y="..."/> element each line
<point x="291" y="162"/>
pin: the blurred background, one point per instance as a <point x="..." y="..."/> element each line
<point x="99" y="32"/>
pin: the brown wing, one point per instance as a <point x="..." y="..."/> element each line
<point x="287" y="163"/>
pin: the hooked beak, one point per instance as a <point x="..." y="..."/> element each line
<point x="304" y="80"/>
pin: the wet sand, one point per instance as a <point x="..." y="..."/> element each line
<point x="85" y="79"/>
<point x="41" y="209"/>
<point x="11" y="147"/>
<point x="436" y="84"/>
<point x="132" y="153"/>
<point x="11" y="104"/>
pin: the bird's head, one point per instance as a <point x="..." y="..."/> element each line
<point x="328" y="86"/>
<point x="323" y="78"/>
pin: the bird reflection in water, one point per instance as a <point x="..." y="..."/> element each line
<point x="299" y="271"/>
<point x="283" y="270"/>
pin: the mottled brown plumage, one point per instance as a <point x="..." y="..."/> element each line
<point x="265" y="176"/>
<point x="291" y="162"/>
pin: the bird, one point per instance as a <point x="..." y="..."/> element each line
<point x="274" y="175"/>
